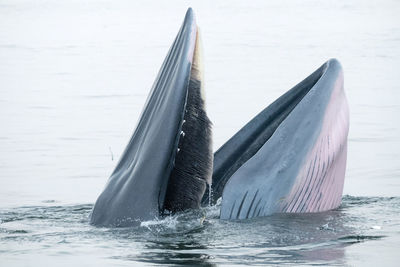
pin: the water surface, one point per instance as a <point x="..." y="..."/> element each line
<point x="60" y="235"/>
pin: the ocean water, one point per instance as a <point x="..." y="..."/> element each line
<point x="74" y="76"/>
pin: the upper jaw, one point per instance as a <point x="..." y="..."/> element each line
<point x="137" y="188"/>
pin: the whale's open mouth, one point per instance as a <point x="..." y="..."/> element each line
<point x="290" y="158"/>
<point x="168" y="161"/>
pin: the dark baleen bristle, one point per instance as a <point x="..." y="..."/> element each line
<point x="193" y="163"/>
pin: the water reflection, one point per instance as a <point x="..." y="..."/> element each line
<point x="179" y="252"/>
<point x="283" y="238"/>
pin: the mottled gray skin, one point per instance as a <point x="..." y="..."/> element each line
<point x="260" y="180"/>
<point x="137" y="187"/>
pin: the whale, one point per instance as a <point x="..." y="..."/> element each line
<point x="167" y="163"/>
<point x="291" y="157"/>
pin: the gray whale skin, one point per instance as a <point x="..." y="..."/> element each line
<point x="291" y="157"/>
<point x="167" y="163"/>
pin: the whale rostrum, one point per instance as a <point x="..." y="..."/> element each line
<point x="167" y="163"/>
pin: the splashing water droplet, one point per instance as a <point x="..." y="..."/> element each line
<point x="209" y="194"/>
